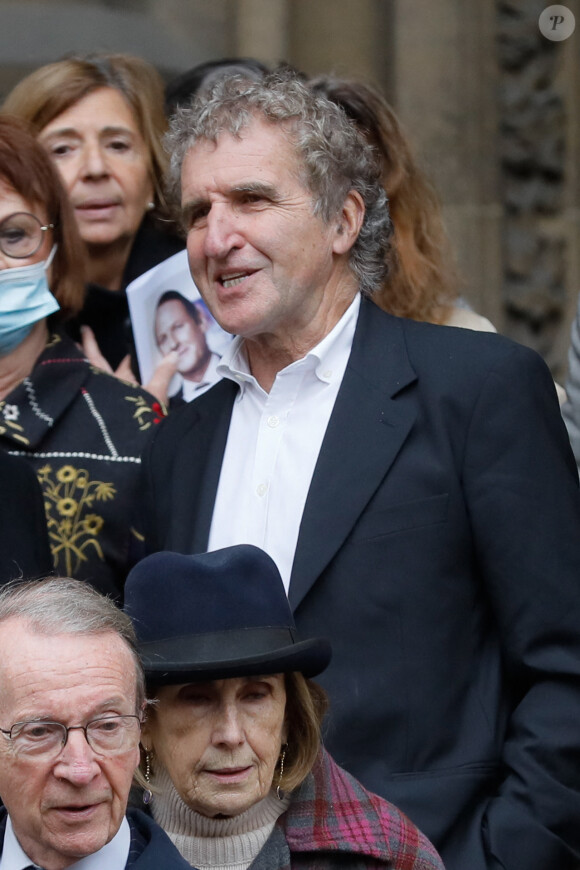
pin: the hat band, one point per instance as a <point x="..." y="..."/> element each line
<point x="204" y="649"/>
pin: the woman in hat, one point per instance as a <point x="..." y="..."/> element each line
<point x="233" y="765"/>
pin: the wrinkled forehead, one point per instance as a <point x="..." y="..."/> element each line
<point x="100" y="107"/>
<point x="37" y="661"/>
<point x="260" y="154"/>
<point x="254" y="131"/>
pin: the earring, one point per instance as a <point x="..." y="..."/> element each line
<point x="150" y="205"/>
<point x="147" y="793"/>
<point x="279" y="792"/>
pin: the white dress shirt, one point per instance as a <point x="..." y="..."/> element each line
<point x="113" y="855"/>
<point x="273" y="444"/>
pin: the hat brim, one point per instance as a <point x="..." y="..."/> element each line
<point x="232" y="654"/>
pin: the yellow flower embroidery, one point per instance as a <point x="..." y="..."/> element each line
<point x="74" y="529"/>
<point x="66" y="507"/>
<point x="104" y="491"/>
<point x="43" y="473"/>
<point x="66" y="527"/>
<point x="66" y="474"/>
<point x="93" y="524"/>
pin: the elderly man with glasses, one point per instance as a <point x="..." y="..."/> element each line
<point x="71" y="707"/>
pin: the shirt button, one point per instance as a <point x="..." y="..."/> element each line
<point x="273" y="421"/>
<point x="327" y="373"/>
<point x="262" y="489"/>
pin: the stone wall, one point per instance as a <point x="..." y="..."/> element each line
<point x="445" y="92"/>
<point x="534" y="138"/>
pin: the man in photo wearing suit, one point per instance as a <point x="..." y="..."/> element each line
<point x="72" y="699"/>
<point x="413" y="483"/>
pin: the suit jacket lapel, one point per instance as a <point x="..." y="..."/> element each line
<point x="212" y="470"/>
<point x="199" y="479"/>
<point x="365" y="432"/>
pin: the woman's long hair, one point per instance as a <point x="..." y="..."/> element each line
<point x="422" y="282"/>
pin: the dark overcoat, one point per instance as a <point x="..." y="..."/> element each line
<point x="83" y="432"/>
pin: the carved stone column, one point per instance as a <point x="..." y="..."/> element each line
<point x="534" y="167"/>
<point x="445" y="73"/>
<point x="345" y="37"/>
<point x="260" y="29"/>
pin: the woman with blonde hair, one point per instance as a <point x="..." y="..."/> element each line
<point x="101" y="120"/>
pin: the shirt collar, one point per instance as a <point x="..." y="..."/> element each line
<point x="113" y="855"/>
<point x="326" y="356"/>
<point x="234" y="365"/>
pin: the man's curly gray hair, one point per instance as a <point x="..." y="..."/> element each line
<point x="333" y="153"/>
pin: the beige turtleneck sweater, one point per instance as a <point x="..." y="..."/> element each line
<point x="219" y="844"/>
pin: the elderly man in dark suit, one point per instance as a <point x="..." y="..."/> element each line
<point x="71" y="705"/>
<point x="414" y="484"/>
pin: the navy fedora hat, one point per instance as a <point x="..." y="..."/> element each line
<point x="216" y="615"/>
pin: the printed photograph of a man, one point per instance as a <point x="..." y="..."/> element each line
<point x="168" y="315"/>
<point x="180" y="326"/>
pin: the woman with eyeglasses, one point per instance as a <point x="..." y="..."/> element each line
<point x="82" y="430"/>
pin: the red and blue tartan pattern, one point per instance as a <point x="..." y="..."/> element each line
<point x="334" y="817"/>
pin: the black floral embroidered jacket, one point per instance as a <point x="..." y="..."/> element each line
<point x="83" y="431"/>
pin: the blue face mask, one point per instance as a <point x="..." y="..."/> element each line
<point x="24" y="300"/>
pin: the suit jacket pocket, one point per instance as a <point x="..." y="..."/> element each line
<point x="402" y="517"/>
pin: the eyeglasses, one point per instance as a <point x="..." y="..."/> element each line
<point x="110" y="735"/>
<point x="21" y="235"/>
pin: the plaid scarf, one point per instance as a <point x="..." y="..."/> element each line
<point x="332" y="821"/>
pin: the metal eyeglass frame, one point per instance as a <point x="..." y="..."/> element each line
<point x="40" y="239"/>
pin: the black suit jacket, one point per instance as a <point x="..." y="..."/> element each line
<point x="439" y="550"/>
